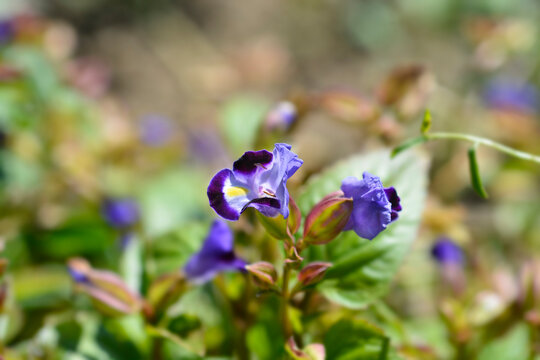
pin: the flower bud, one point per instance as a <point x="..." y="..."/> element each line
<point x="107" y="290"/>
<point x="310" y="352"/>
<point x="263" y="273"/>
<point x="529" y="285"/>
<point x="313" y="273"/>
<point x="348" y="106"/>
<point x="165" y="290"/>
<point x="327" y="219"/>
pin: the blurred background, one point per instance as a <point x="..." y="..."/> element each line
<point x="144" y="101"/>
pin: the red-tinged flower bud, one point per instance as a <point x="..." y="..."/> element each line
<point x="107" y="290"/>
<point x="263" y="274"/>
<point x="313" y="273"/>
<point x="165" y="290"/>
<point x="406" y="89"/>
<point x="529" y="294"/>
<point x="327" y="219"/>
<point x="348" y="106"/>
<point x="310" y="352"/>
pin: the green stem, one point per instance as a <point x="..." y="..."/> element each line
<point x="287" y="330"/>
<point x="483" y="141"/>
<point x="157" y="348"/>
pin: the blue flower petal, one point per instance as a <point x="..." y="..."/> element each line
<point x="374" y="207"/>
<point x="120" y="213"/>
<point x="216" y="255"/>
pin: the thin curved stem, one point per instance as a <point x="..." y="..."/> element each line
<point x="285" y="301"/>
<point x="483" y="141"/>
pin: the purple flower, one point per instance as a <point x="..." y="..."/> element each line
<point x="120" y="213"/>
<point x="281" y="116"/>
<point x="6" y="31"/>
<point x="216" y="255"/>
<point x="374" y="207"/>
<point x="155" y="130"/>
<point x="445" y="251"/>
<point x="509" y="94"/>
<point x="257" y="180"/>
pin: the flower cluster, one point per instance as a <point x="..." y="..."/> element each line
<point x="258" y="179"/>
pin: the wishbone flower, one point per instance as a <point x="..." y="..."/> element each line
<point x="374" y="207"/>
<point x="258" y="179"/>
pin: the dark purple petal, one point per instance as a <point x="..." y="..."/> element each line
<point x="216" y="255"/>
<point x="267" y="206"/>
<point x="392" y="196"/>
<point x="120" y="213"/>
<point x="251" y="161"/>
<point x="216" y="195"/>
<point x="445" y="251"/>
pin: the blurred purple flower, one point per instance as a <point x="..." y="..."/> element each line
<point x="281" y="116"/>
<point x="445" y="251"/>
<point x="155" y="130"/>
<point x="205" y="146"/>
<point x="258" y="179"/>
<point x="508" y="94"/>
<point x="6" y="31"/>
<point x="216" y="255"/>
<point x="120" y="213"/>
<point x="374" y="207"/>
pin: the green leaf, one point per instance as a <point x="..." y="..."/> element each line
<point x="82" y="235"/>
<point x="43" y="286"/>
<point x="38" y="70"/>
<point x="476" y="179"/>
<point x="240" y="122"/>
<point x="362" y="269"/>
<point x="356" y="340"/>
<point x="172" y="199"/>
<point x="513" y="345"/>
